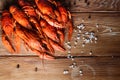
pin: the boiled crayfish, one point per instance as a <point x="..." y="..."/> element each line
<point x="40" y="24"/>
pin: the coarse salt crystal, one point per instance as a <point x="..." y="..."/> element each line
<point x="69" y="46"/>
<point x="96" y="38"/>
<point x="81" y="26"/>
<point x="75" y="42"/>
<point x="110" y="30"/>
<point x="81" y="72"/>
<point x="75" y="30"/>
<point x="87" y="40"/>
<point x="90" y="52"/>
<point x="97" y="25"/>
<point x="82" y="51"/>
<point x="83" y="45"/>
<point x="65" y="71"/>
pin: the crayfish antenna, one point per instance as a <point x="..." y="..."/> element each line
<point x="46" y="56"/>
<point x="43" y="55"/>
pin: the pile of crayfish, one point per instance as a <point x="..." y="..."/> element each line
<point x="40" y="24"/>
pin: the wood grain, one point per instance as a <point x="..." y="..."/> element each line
<point x="81" y="5"/>
<point x="93" y="5"/>
<point x="108" y="43"/>
<point x="95" y="68"/>
<point x="102" y="64"/>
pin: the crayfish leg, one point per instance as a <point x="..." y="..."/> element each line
<point x="23" y="3"/>
<point x="17" y="41"/>
<point x="7" y="43"/>
<point x="53" y="2"/>
<point x="49" y="46"/>
<point x="61" y="36"/>
<point x="69" y="15"/>
<point x="57" y="46"/>
<point x="70" y="29"/>
<point x="43" y="55"/>
<point x="26" y="46"/>
<point x="49" y="30"/>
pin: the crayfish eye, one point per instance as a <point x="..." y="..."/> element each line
<point x="44" y="45"/>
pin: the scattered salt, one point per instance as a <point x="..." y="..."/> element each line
<point x="110" y="30"/>
<point x="81" y="26"/>
<point x="82" y="51"/>
<point x="79" y="31"/>
<point x="65" y="71"/>
<point x="86" y="41"/>
<point x="81" y="72"/>
<point x="97" y="25"/>
<point x="86" y="37"/>
<point x="83" y="45"/>
<point x="69" y="46"/>
<point x="75" y="42"/>
<point x="83" y="20"/>
<point x="95" y="42"/>
<point x="73" y="65"/>
<point x="75" y="30"/>
<point x="90" y="52"/>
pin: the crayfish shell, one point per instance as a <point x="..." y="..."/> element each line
<point x="20" y="16"/>
<point x="41" y="25"/>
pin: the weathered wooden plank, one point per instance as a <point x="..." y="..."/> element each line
<point x="93" y="5"/>
<point x="108" y="34"/>
<point x="95" y="68"/>
<point x="83" y="5"/>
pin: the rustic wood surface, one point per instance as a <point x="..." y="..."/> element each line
<point x="93" y="5"/>
<point x="82" y="5"/>
<point x="105" y="46"/>
<point x="102" y="64"/>
<point x="96" y="68"/>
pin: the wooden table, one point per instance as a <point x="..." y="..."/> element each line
<point x="94" y="61"/>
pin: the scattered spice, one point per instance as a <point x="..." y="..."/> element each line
<point x="36" y="69"/>
<point x="17" y="66"/>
